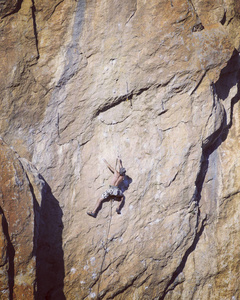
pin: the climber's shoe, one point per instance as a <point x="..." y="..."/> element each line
<point x="118" y="211"/>
<point x="91" y="214"/>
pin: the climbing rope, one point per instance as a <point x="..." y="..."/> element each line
<point x="105" y="247"/>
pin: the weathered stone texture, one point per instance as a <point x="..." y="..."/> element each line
<point x="17" y="262"/>
<point x="156" y="82"/>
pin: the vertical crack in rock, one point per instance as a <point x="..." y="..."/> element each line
<point x="198" y="25"/>
<point x="73" y="59"/>
<point x="73" y="55"/>
<point x="223" y="21"/>
<point x="173" y="281"/>
<point x="227" y="86"/>
<point x="216" y="121"/>
<point x="129" y="283"/>
<point x="219" y="136"/>
<point x="10" y="255"/>
<point x="55" y="7"/>
<point x="35" y="27"/>
<point x="193" y="7"/>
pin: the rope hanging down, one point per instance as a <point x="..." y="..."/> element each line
<point x="105" y="247"/>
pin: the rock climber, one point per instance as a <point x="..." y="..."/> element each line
<point x="113" y="191"/>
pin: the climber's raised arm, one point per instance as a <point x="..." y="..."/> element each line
<point x="120" y="163"/>
<point x="109" y="166"/>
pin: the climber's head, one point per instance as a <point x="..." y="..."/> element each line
<point x="122" y="171"/>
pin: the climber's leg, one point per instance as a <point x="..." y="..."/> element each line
<point x="118" y="210"/>
<point x="97" y="208"/>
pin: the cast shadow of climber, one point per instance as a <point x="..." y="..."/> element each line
<point x="123" y="187"/>
<point x="48" y="246"/>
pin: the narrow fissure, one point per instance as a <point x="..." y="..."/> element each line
<point x="206" y="152"/>
<point x="119" y="100"/>
<point x="10" y="255"/>
<point x="184" y="260"/>
<point x="35" y="26"/>
<point x="16" y="9"/>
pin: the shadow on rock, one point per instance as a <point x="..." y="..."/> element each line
<point x="10" y="255"/>
<point x="125" y="184"/>
<point x="48" y="247"/>
<point x="123" y="187"/>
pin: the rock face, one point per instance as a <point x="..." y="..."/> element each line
<point x="156" y="82"/>
<point x="17" y="261"/>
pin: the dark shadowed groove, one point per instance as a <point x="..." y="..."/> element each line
<point x="183" y="261"/>
<point x="198" y="83"/>
<point x="16" y="9"/>
<point x="10" y="255"/>
<point x="108" y="106"/>
<point x="73" y="53"/>
<point x="223" y="21"/>
<point x="119" y="100"/>
<point x="232" y="69"/>
<point x="128" y="285"/>
<point x="55" y="9"/>
<point x="35" y="26"/>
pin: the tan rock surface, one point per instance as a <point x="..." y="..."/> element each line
<point x="156" y="82"/>
<point x="17" y="263"/>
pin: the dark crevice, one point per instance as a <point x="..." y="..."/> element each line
<point x="140" y="91"/>
<point x="117" y="101"/>
<point x="55" y="7"/>
<point x="126" y="286"/>
<point x="229" y="76"/>
<point x="180" y="268"/>
<point x="108" y="106"/>
<point x="223" y="21"/>
<point x="234" y="101"/>
<point x="15" y="10"/>
<point x="74" y="57"/>
<point x="199" y="82"/>
<point x="221" y="89"/>
<point x="10" y="255"/>
<point x="35" y="27"/>
<point x="131" y="16"/>
<point x="212" y="138"/>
